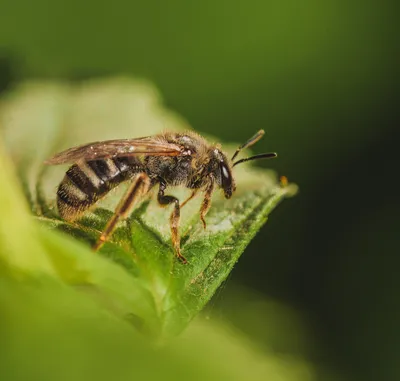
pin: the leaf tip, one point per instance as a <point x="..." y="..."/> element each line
<point x="290" y="188"/>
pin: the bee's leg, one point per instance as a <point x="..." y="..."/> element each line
<point x="174" y="219"/>
<point x="189" y="198"/>
<point x="206" y="204"/>
<point x="139" y="187"/>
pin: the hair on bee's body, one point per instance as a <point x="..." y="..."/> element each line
<point x="168" y="159"/>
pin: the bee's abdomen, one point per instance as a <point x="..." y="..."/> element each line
<point x="87" y="182"/>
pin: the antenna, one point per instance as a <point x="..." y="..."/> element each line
<point x="267" y="155"/>
<point x="254" y="139"/>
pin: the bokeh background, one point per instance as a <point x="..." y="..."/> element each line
<point x="322" y="78"/>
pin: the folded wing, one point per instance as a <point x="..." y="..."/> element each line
<point x="117" y="148"/>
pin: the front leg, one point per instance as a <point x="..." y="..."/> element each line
<point x="206" y="204"/>
<point x="174" y="219"/>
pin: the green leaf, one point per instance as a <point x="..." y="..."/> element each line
<point x="56" y="333"/>
<point x="39" y="119"/>
<point x="30" y="252"/>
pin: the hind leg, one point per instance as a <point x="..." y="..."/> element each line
<point x="138" y="188"/>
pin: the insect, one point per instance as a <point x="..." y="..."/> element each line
<point x="167" y="159"/>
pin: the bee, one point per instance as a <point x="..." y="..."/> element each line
<point x="163" y="160"/>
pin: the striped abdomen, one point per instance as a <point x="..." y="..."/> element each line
<point x="87" y="182"/>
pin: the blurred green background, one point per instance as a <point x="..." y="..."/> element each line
<point x="321" y="77"/>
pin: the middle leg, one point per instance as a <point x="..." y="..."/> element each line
<point x="174" y="219"/>
<point x="192" y="196"/>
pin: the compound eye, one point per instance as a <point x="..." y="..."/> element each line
<point x="225" y="176"/>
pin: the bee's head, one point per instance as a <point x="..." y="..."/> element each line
<point x="223" y="171"/>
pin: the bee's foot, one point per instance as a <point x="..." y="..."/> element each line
<point x="182" y="259"/>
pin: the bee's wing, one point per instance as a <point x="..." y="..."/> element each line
<point x="117" y="148"/>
